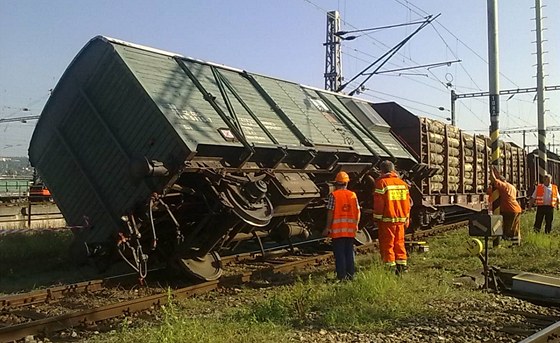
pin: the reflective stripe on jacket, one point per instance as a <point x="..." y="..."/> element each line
<point x="345" y="214"/>
<point x="391" y="199"/>
<point x="539" y="195"/>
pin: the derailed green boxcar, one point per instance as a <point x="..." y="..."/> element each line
<point x="146" y="150"/>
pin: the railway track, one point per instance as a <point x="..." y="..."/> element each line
<point x="549" y="334"/>
<point x="39" y="325"/>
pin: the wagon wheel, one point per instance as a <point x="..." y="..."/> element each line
<point x="362" y="237"/>
<point x="207" y="267"/>
<point x="257" y="214"/>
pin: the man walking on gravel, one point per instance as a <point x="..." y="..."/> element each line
<point x="391" y="211"/>
<point x="545" y="197"/>
<point x="343" y="217"/>
<point x="509" y="207"/>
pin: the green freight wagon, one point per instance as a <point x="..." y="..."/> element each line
<point x="152" y="155"/>
<point x="12" y="189"/>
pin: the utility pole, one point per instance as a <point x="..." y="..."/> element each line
<point x="494" y="97"/>
<point x="333" y="62"/>
<point x="494" y="94"/>
<point x="540" y="94"/>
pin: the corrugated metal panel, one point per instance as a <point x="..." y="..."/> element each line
<point x="105" y="122"/>
<point x="260" y="108"/>
<point x="177" y="97"/>
<point x="355" y="125"/>
<point x="71" y="183"/>
<point x="317" y="127"/>
<point x="198" y="123"/>
<point x="376" y="125"/>
<point x="392" y="144"/>
<point x="340" y="120"/>
<point x="244" y="123"/>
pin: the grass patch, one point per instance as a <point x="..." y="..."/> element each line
<point x="176" y="325"/>
<point x="538" y="253"/>
<point x="17" y="248"/>
<point x="31" y="259"/>
<point x="375" y="300"/>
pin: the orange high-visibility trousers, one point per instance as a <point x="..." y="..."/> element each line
<point x="391" y="243"/>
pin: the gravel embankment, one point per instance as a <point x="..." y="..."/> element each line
<point x="471" y="321"/>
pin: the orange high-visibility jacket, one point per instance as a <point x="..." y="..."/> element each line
<point x="391" y="199"/>
<point x="345" y="214"/>
<point x="539" y="196"/>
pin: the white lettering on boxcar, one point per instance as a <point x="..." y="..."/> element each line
<point x="270" y="126"/>
<point x="191" y="116"/>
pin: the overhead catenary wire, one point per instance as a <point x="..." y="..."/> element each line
<point x="453" y="35"/>
<point x="388" y="55"/>
<point x="436" y="79"/>
<point x="373" y="96"/>
<point x="368" y="91"/>
<point x="387" y="46"/>
<point x="27" y="107"/>
<point x="468" y="47"/>
<point x="397" y="65"/>
<point x="421" y="13"/>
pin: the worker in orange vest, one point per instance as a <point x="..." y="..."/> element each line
<point x="391" y="211"/>
<point x="545" y="196"/>
<point x="343" y="217"/>
<point x="509" y="207"/>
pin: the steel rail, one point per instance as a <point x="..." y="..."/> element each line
<point x="49" y="294"/>
<point x="57" y="323"/>
<point x="549" y="334"/>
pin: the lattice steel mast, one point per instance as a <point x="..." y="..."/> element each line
<point x="333" y="62"/>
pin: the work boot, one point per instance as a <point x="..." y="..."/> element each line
<point x="401" y="269"/>
<point x="391" y="268"/>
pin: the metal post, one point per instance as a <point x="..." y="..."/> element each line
<point x="494" y="94"/>
<point x="540" y="94"/>
<point x="333" y="62"/>
<point x="485" y="262"/>
<point x="453" y="98"/>
<point x="29" y="214"/>
<point x="524" y="145"/>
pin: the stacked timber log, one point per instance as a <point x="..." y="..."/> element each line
<point x="436" y="137"/>
<point x="518" y="166"/>
<point x="483" y="154"/>
<point x="463" y="161"/>
<point x="513" y="164"/>
<point x="468" y="151"/>
<point x="444" y="153"/>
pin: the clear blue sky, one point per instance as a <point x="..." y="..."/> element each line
<point x="38" y="39"/>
